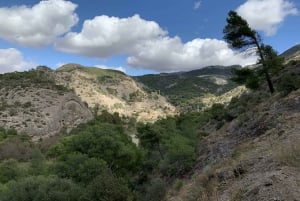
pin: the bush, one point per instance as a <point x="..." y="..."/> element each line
<point x="288" y="83"/>
<point x="107" y="142"/>
<point x="41" y="189"/>
<point x="15" y="148"/>
<point x="106" y="187"/>
<point x="79" y="167"/>
<point x="155" y="190"/>
<point x="9" y="170"/>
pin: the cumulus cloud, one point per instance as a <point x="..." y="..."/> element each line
<point x="266" y="15"/>
<point x="197" y="5"/>
<point x="39" y="25"/>
<point x="170" y="54"/>
<point x="119" y="68"/>
<point x="104" y="36"/>
<point x="12" y="60"/>
<point x="147" y="45"/>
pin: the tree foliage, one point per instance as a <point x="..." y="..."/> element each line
<point x="239" y="35"/>
<point x="42" y="189"/>
<point x="99" y="161"/>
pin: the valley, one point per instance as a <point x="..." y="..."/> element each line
<point x="83" y="133"/>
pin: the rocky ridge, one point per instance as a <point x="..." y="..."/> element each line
<point x="42" y="102"/>
<point x="113" y="91"/>
<point x="39" y="109"/>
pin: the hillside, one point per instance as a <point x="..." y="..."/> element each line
<point x="292" y="53"/>
<point x="43" y="102"/>
<point x="113" y="91"/>
<point x="247" y="150"/>
<point x="256" y="155"/>
<point x="33" y="103"/>
<point x="186" y="90"/>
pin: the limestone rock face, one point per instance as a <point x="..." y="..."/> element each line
<point x="41" y="112"/>
<point x="42" y="102"/>
<point x="113" y="91"/>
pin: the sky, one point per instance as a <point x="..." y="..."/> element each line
<point x="137" y="36"/>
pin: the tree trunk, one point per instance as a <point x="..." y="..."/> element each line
<point x="160" y="151"/>
<point x="265" y="68"/>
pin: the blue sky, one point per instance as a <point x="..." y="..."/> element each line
<point x="136" y="36"/>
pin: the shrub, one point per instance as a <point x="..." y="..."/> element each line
<point x="9" y="170"/>
<point x="155" y="190"/>
<point x="41" y="189"/>
<point x="106" y="187"/>
<point x="288" y="83"/>
<point x="79" y="167"/>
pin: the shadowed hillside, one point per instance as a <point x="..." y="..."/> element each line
<point x="186" y="90"/>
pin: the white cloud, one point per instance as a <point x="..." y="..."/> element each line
<point x="39" y="25"/>
<point x="147" y="45"/>
<point x="266" y="15"/>
<point x="104" y="36"/>
<point x="12" y="60"/>
<point x="197" y="5"/>
<point x="119" y="68"/>
<point x="170" y="54"/>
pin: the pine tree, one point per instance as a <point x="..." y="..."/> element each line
<point x="239" y="35"/>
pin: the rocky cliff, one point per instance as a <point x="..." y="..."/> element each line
<point x="31" y="102"/>
<point x="42" y="102"/>
<point x="113" y="91"/>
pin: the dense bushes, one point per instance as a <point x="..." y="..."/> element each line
<point x="99" y="161"/>
<point x="102" y="141"/>
<point x="170" y="144"/>
<point x="288" y="82"/>
<point x="24" y="79"/>
<point x="41" y="189"/>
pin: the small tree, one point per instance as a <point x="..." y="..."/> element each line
<point x="239" y="35"/>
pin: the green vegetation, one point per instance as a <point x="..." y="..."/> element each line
<point x="99" y="161"/>
<point x="103" y="72"/>
<point x="36" y="78"/>
<point x="239" y="35"/>
<point x="184" y="89"/>
<point x="288" y="82"/>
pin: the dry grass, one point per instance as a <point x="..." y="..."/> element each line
<point x="238" y="194"/>
<point x="204" y="188"/>
<point x="289" y="153"/>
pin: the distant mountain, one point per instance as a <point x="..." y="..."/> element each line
<point x="186" y="89"/>
<point x="292" y="54"/>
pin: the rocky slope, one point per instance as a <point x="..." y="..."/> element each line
<point x="41" y="102"/>
<point x="254" y="157"/>
<point x="31" y="102"/>
<point x="292" y="53"/>
<point x="113" y="91"/>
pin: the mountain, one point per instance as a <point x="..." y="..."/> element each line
<point x="186" y="90"/>
<point x="255" y="156"/>
<point x="41" y="102"/>
<point x="292" y="53"/>
<point x="248" y="150"/>
<point x="113" y="91"/>
<point x="32" y="102"/>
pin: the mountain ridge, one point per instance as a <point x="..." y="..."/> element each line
<point x="187" y="89"/>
